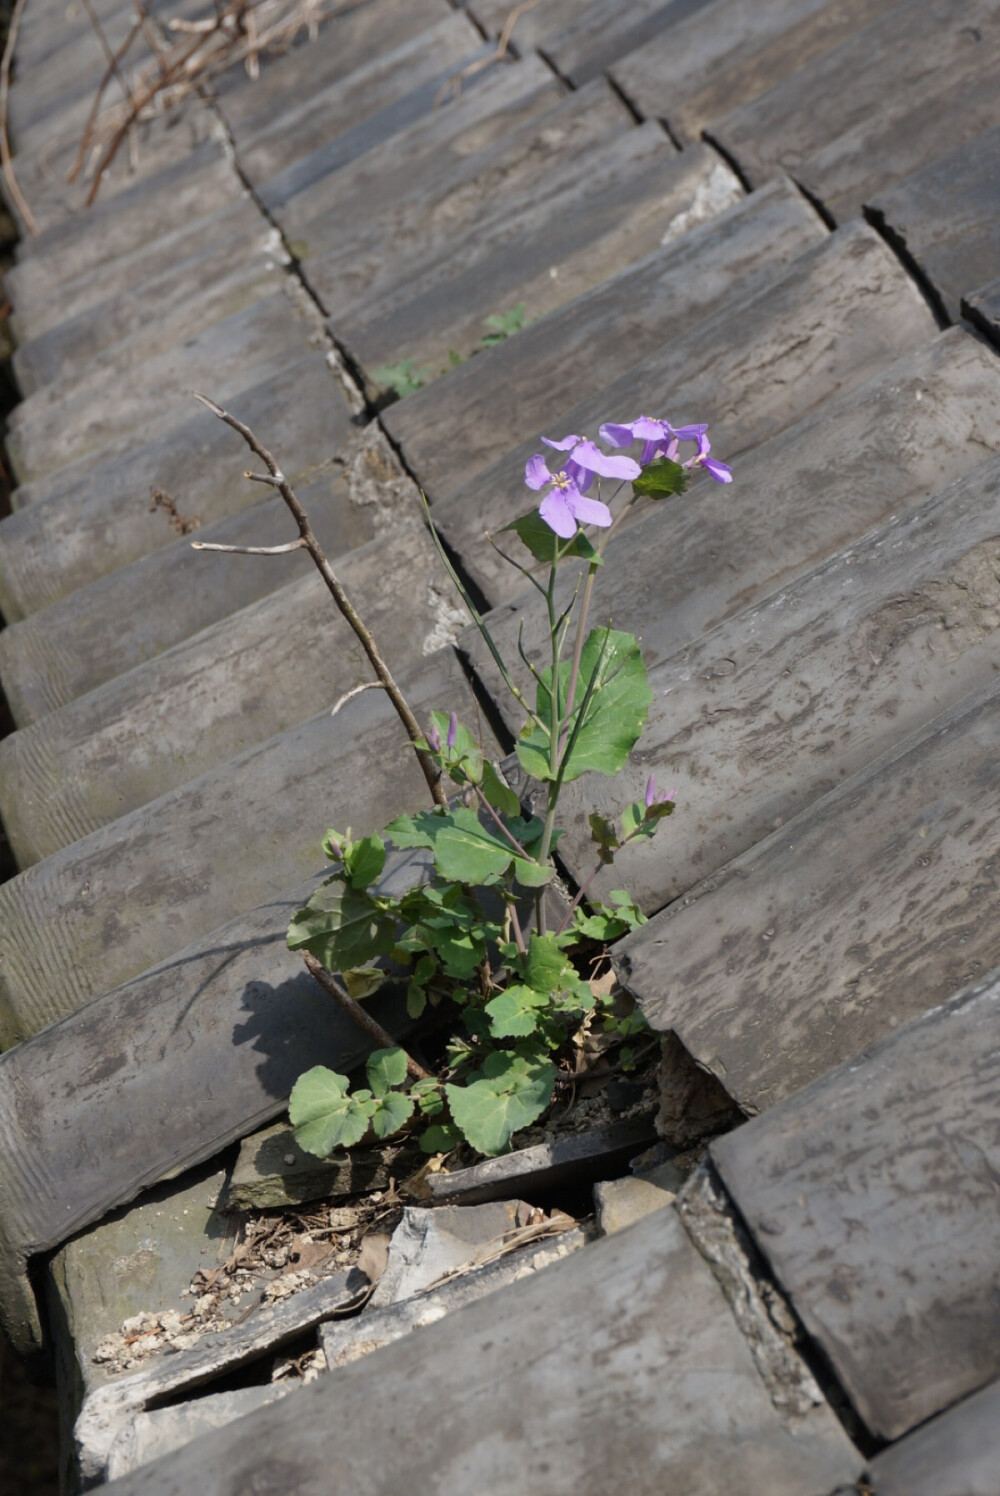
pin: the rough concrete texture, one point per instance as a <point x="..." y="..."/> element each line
<point x="272" y="1170"/>
<point x="654" y="1384"/>
<point x="622" y="1202"/>
<point x="960" y="1451"/>
<point x="150" y="1435"/>
<point x="430" y="1244"/>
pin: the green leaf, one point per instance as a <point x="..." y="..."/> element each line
<point x="532" y="874"/>
<point x="500" y="795"/>
<point x="547" y="966"/>
<point x="440" y="1138"/>
<point x="365" y="861"/>
<point x="463" y="849"/>
<point x="363" y="981"/>
<point x="545" y="545"/>
<point x="429" y="1096"/>
<point x="392" y="1112"/>
<point x="386" y="1068"/>
<point x="323" y="1115"/>
<point x="514" y="1013"/>
<point x="489" y="1110"/>
<point x="403" y="378"/>
<point x="611" y="669"/>
<point x="502" y="325"/>
<point x="342" y="927"/>
<point x="416" y="1000"/>
<point x="661" y="478"/>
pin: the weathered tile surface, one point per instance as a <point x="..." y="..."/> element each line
<point x="65" y="651"/>
<point x="835" y="317"/>
<point x="218" y="693"/>
<point x="490" y="105"/>
<point x="133" y="892"/>
<point x="911" y="49"/>
<point x="158" y="1076"/>
<point x="92" y="518"/>
<point x="157" y="315"/>
<point x="455" y="431"/>
<point x="369" y="256"/>
<point x="862" y="912"/>
<point x="630" y="198"/>
<point x="534" y="1171"/>
<point x="396" y="87"/>
<point x="37" y="311"/>
<point x="910" y="130"/>
<point x="603" y="30"/>
<point x="657" y="1387"/>
<point x="957" y="1452"/>
<point x="149" y="1435"/>
<point x="250" y="346"/>
<point x="945" y="217"/>
<point x="872" y="1195"/>
<point x="983" y="308"/>
<point x="730" y="52"/>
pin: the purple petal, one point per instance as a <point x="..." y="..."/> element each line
<point x="594" y="460"/>
<point x="564" y="445"/>
<point x="650" y="791"/>
<point x="718" y="470"/>
<point x="578" y="476"/>
<point x="617" y="436"/>
<point x="557" y="512"/>
<point x="590" y="511"/>
<point x="536" y="473"/>
<point x="649" y="430"/>
<point x="689" y="433"/>
<point x="452" y="729"/>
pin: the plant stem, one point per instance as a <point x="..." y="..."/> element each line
<point x="355" y="1011"/>
<point x="340" y="597"/>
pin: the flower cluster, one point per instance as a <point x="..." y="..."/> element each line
<point x="566" y="505"/>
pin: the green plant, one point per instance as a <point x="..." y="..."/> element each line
<point x="403" y="378"/>
<point x="473" y="939"/>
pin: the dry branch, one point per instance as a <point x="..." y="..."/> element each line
<point x="340" y="597"/>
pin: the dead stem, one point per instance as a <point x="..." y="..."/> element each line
<point x="311" y="544"/>
<point x="360" y="1015"/>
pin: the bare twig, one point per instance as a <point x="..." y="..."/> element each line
<point x="5" y="157"/>
<point x="250" y="550"/>
<point x="111" y="57"/>
<point x="340" y="597"/>
<point x="453" y="85"/>
<point x="360" y="1016"/>
<point x="368" y="685"/>
<point x="88" y="129"/>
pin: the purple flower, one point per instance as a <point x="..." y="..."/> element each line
<point x="452" y="730"/>
<point x="715" y="469"/>
<point x="652" y="798"/>
<point x="565" y="505"/>
<point x="660" y="439"/>
<point x="434" y="738"/>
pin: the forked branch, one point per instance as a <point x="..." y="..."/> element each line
<point x="340" y="597"/>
